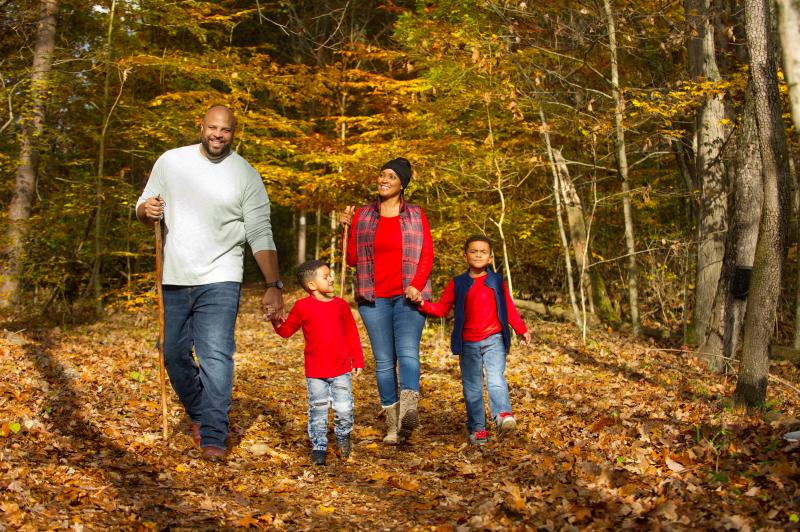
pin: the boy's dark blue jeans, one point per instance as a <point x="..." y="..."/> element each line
<point x="202" y="317"/>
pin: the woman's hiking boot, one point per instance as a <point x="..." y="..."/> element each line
<point x="392" y="412"/>
<point x="409" y="418"/>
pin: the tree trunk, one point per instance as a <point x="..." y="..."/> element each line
<point x="724" y="332"/>
<point x="578" y="229"/>
<point x="96" y="279"/>
<point x="709" y="167"/>
<point x="789" y="31"/>
<point x="318" y="233"/>
<point x="622" y="166"/>
<point x="334" y="238"/>
<point x="751" y="386"/>
<point x="557" y="198"/>
<point x="21" y="205"/>
<point x="301" y="238"/>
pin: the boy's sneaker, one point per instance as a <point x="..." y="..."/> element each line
<point x="318" y="457"/>
<point x="344" y="446"/>
<point x="480" y="437"/>
<point x="506" y="424"/>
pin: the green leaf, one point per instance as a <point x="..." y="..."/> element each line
<point x="136" y="376"/>
<point x="794" y="518"/>
<point x="14" y="427"/>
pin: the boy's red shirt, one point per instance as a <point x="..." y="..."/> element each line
<point x="333" y="346"/>
<point x="480" y="310"/>
<point x="389" y="256"/>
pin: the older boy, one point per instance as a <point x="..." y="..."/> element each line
<point x="332" y="355"/>
<point x="481" y="336"/>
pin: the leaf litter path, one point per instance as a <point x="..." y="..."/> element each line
<point x="612" y="434"/>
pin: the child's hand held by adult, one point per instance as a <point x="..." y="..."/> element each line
<point x="413" y="295"/>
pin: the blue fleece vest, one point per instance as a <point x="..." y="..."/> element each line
<point x="462" y="283"/>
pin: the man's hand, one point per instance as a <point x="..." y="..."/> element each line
<point x="151" y="210"/>
<point x="272" y="304"/>
<point x="356" y="372"/>
<point x="413" y="295"/>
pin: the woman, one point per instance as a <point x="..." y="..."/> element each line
<point x="390" y="245"/>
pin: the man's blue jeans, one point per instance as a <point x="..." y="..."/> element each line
<point x="202" y="317"/>
<point x="321" y="393"/>
<point x="395" y="328"/>
<point x="489" y="353"/>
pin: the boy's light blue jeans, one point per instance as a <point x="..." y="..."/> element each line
<point x="321" y="393"/>
<point x="395" y="328"/>
<point x="489" y="353"/>
<point x="202" y="317"/>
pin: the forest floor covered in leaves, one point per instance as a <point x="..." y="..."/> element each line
<point x="611" y="434"/>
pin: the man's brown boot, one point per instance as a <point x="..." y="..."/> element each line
<point x="212" y="453"/>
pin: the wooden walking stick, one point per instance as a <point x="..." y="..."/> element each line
<point x="344" y="258"/>
<point x="162" y="372"/>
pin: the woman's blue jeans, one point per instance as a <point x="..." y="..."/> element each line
<point x="322" y="393"/>
<point x="489" y="353"/>
<point x="395" y="328"/>
<point x="202" y="317"/>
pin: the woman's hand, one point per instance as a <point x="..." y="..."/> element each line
<point x="346" y="216"/>
<point x="413" y="295"/>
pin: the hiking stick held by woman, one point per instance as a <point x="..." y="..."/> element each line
<point x="344" y="257"/>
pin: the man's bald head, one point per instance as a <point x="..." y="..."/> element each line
<point x="216" y="132"/>
<point x="224" y="109"/>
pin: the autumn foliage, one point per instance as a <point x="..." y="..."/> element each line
<point x="613" y="434"/>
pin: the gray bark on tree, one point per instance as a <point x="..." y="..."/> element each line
<point x="724" y="332"/>
<point x="622" y="167"/>
<point x="21" y="204"/>
<point x="762" y="304"/>
<point x="789" y="32"/>
<point x="301" y="238"/>
<point x="709" y="165"/>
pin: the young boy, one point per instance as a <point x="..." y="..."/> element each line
<point x="333" y="355"/>
<point x="481" y="336"/>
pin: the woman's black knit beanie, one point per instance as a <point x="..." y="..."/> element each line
<point x="402" y="167"/>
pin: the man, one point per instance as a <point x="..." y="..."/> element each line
<point x="212" y="201"/>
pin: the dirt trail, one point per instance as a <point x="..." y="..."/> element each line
<point x="612" y="434"/>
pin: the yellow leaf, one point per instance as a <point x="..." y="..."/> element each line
<point x="325" y="509"/>
<point x="180" y="468"/>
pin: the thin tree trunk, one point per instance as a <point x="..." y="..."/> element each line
<point x="334" y="237"/>
<point x="709" y="165"/>
<point x="557" y="198"/>
<point x="578" y="229"/>
<point x="499" y="188"/>
<point x="301" y="238"/>
<point x="21" y="205"/>
<point x="789" y="31"/>
<point x="318" y="235"/>
<point x="724" y="332"/>
<point x="622" y="166"/>
<point x="96" y="280"/>
<point x="762" y="305"/>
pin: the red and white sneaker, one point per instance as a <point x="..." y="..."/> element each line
<point x="480" y="437"/>
<point x="506" y="424"/>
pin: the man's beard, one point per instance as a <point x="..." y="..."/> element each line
<point x="214" y="157"/>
